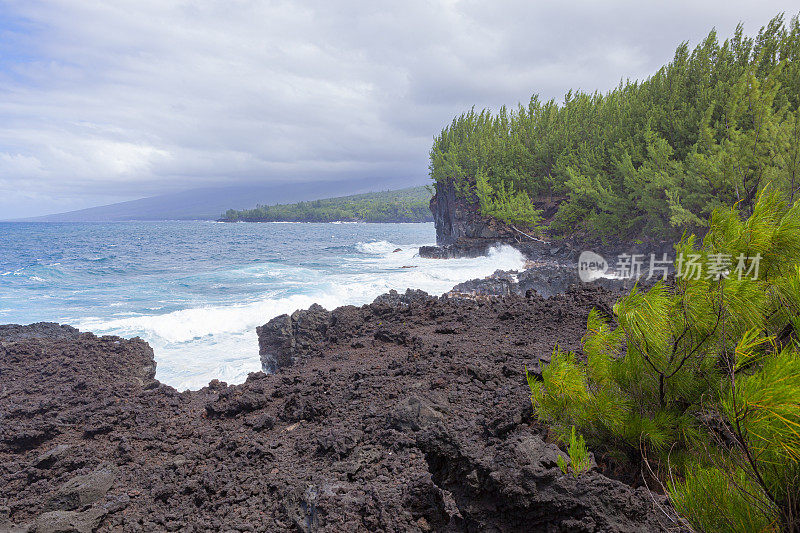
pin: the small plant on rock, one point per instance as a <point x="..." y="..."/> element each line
<point x="578" y="456"/>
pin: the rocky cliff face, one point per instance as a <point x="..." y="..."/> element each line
<point x="462" y="231"/>
<point x="459" y="223"/>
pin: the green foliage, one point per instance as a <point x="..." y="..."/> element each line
<point x="578" y="456"/>
<point x="702" y="377"/>
<point x="716" y="500"/>
<point x="405" y="205"/>
<point x="655" y="157"/>
<point x="505" y="204"/>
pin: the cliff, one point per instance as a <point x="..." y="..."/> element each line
<point x="462" y="231"/>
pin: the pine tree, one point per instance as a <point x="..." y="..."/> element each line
<point x="712" y="358"/>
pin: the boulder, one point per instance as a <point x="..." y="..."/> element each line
<point x="285" y="338"/>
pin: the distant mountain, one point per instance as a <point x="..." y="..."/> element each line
<point x="211" y="202"/>
<point x="405" y="205"/>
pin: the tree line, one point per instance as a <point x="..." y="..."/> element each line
<point x="712" y="128"/>
<point x="405" y="205"/>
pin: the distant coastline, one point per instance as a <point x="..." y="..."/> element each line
<point x="405" y="205"/>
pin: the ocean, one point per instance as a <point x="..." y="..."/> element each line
<point x="195" y="291"/>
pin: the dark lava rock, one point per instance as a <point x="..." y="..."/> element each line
<point x="40" y="330"/>
<point x="500" y="283"/>
<point x="285" y="338"/>
<point x="69" y="521"/>
<point x="83" y="490"/>
<point x="408" y="414"/>
<point x="458" y="222"/>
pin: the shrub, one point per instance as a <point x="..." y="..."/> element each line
<point x="578" y="456"/>
<point x="505" y="204"/>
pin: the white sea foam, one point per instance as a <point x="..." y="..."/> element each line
<point x="196" y="345"/>
<point x="376" y="247"/>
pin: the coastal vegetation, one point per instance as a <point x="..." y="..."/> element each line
<point x="404" y="205"/>
<point x="695" y="383"/>
<point x="655" y="157"/>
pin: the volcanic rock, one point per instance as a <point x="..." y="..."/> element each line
<point x="408" y="414"/>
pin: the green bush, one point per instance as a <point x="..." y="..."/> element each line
<point x="505" y="204"/>
<point x="700" y="379"/>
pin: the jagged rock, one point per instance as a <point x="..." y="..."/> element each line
<point x="516" y="485"/>
<point x="39" y="330"/>
<point x="309" y="326"/>
<point x="84" y="490"/>
<point x="458" y="220"/>
<point x="276" y="343"/>
<point x="415" y="413"/>
<point x="52" y="455"/>
<point x="500" y="283"/>
<point x="285" y="338"/>
<point x="393" y="299"/>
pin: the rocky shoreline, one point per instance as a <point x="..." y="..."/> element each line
<point x="408" y="414"/>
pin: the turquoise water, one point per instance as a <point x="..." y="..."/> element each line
<point x="196" y="290"/>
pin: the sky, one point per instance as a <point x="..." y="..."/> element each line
<point x="111" y="100"/>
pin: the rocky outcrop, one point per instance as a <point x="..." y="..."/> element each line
<point x="544" y="279"/>
<point x="285" y="339"/>
<point x="408" y="414"/>
<point x="461" y="230"/>
<point x="39" y="330"/>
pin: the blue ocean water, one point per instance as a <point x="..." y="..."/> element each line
<point x="197" y="290"/>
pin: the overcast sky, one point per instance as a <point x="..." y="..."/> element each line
<point x="109" y="100"/>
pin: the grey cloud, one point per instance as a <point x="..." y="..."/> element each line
<point x="115" y="100"/>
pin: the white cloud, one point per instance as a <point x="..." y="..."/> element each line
<point x="130" y="98"/>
